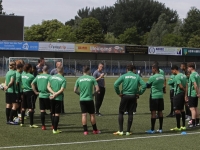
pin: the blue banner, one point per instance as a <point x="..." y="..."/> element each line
<point x="21" y="46"/>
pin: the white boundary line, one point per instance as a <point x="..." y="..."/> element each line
<point x="96" y="141"/>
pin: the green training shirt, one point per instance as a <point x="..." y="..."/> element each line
<point x="85" y="84"/>
<point x="57" y="82"/>
<point x="171" y="82"/>
<point x="162" y="72"/>
<point x="194" y="77"/>
<point x="27" y="79"/>
<point x="11" y="74"/>
<point x="19" y="81"/>
<point x="41" y="81"/>
<point x="130" y="84"/>
<point x="179" y="79"/>
<point x="156" y="81"/>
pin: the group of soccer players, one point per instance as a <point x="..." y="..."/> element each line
<point x="22" y="89"/>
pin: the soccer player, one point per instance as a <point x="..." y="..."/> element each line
<point x="10" y="90"/>
<point x="28" y="101"/>
<point x="41" y="63"/>
<point x="171" y="84"/>
<point x="56" y="85"/>
<point x="19" y="90"/>
<point x="193" y="94"/>
<point x="53" y="72"/>
<point x="156" y="102"/>
<point x="41" y="82"/>
<point x="85" y="84"/>
<point x="131" y="83"/>
<point x="180" y="81"/>
<point x="187" y="109"/>
<point x="99" y="76"/>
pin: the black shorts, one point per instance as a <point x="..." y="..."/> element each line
<point x="193" y="101"/>
<point x="44" y="103"/>
<point x="171" y="95"/>
<point x="19" y="98"/>
<point x="11" y="98"/>
<point x="55" y="106"/>
<point x="156" y="104"/>
<point x="28" y="100"/>
<point x="179" y="101"/>
<point x="128" y="102"/>
<point x="87" y="107"/>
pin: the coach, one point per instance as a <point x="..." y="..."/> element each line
<point x="54" y="72"/>
<point x="99" y="76"/>
<point x="41" y="63"/>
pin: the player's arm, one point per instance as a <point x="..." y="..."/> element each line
<point x="33" y="86"/>
<point x="170" y="81"/>
<point x="50" y="89"/>
<point x="186" y="93"/>
<point x="149" y="83"/>
<point x="76" y="88"/>
<point x="9" y="84"/>
<point x="178" y="82"/>
<point x="96" y="77"/>
<point x="117" y="84"/>
<point x="63" y="86"/>
<point x="142" y="86"/>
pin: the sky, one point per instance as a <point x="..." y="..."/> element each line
<point x="37" y="10"/>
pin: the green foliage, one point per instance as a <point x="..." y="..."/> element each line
<point x="109" y="38"/>
<point x="65" y="33"/>
<point x="173" y="40"/>
<point x="89" y="31"/>
<point x="43" y="32"/>
<point x="144" y="38"/>
<point x="194" y="41"/>
<point x="158" y="31"/>
<point x="191" y="25"/>
<point x="130" y="36"/>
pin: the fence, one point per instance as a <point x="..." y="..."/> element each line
<point x="111" y="67"/>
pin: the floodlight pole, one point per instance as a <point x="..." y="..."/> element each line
<point x="1" y="7"/>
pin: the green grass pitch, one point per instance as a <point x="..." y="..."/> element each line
<point x="70" y="124"/>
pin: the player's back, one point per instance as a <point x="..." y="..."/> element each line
<point x="157" y="86"/>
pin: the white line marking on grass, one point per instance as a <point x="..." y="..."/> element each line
<point x="97" y="141"/>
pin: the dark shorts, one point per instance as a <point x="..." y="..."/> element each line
<point x="44" y="103"/>
<point x="179" y="101"/>
<point x="19" y="98"/>
<point x="128" y="102"/>
<point x="193" y="101"/>
<point x="55" y="106"/>
<point x="28" y="100"/>
<point x="171" y="95"/>
<point x="11" y="98"/>
<point x="87" y="107"/>
<point x="156" y="104"/>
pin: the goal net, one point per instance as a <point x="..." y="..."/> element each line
<point x="50" y="62"/>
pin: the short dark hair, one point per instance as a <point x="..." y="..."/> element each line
<point x="100" y="64"/>
<point x="27" y="67"/>
<point x="155" y="63"/>
<point x="191" y="64"/>
<point x="130" y="67"/>
<point x="19" y="66"/>
<point x="183" y="63"/>
<point x="86" y="69"/>
<point x="174" y="67"/>
<point x="155" y="66"/>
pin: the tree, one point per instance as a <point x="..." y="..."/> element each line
<point x="194" y="41"/>
<point x="109" y="38"/>
<point x="130" y="36"/>
<point x="44" y="31"/>
<point x="89" y="31"/>
<point x="140" y="13"/>
<point x="191" y="26"/>
<point x="158" y="31"/>
<point x="173" y="40"/>
<point x="65" y="34"/>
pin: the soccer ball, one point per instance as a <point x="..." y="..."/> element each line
<point x="16" y="119"/>
<point x="2" y="86"/>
